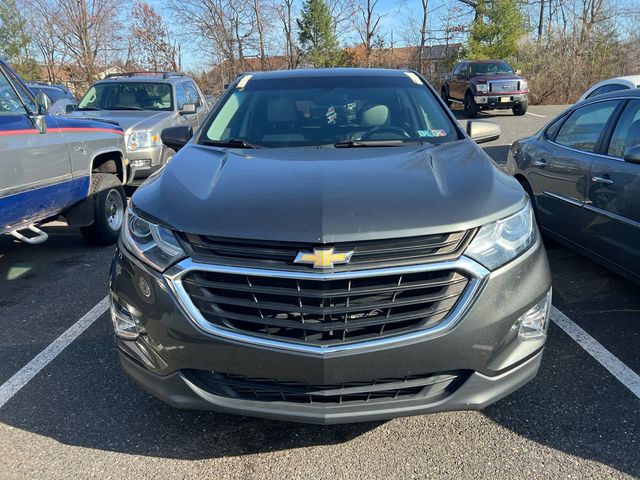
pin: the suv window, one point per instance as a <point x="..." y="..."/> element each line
<point x="584" y="126"/>
<point x="314" y="111"/>
<point x="181" y="95"/>
<point x="10" y="103"/>
<point x="128" y="96"/>
<point x="193" y="93"/>
<point x="612" y="87"/>
<point x="627" y="131"/>
<point x="25" y="95"/>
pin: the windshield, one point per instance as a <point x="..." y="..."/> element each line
<point x="53" y="93"/>
<point x="491" y="68"/>
<point x="128" y="96"/>
<point x="330" y="110"/>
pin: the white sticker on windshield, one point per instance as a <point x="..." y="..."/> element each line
<point x="331" y="115"/>
<point x="436" y="132"/>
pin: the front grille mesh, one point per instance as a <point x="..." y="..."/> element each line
<point x="325" y="312"/>
<point x="272" y="390"/>
<point x="366" y="254"/>
<point x="504" y="86"/>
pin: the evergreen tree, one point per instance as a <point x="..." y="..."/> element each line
<point x="317" y="35"/>
<point x="498" y="28"/>
<point x="14" y="41"/>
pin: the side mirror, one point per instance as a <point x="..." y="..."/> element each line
<point x="482" y="132"/>
<point x="43" y="103"/>
<point x="69" y="107"/>
<point x="188" y="109"/>
<point x="519" y="72"/>
<point x="176" y="137"/>
<point x="632" y="154"/>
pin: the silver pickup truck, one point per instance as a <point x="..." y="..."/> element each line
<point x="54" y="165"/>
<point x="143" y="104"/>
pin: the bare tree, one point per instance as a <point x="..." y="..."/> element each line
<point x="423" y="35"/>
<point x="368" y="25"/>
<point x="284" y="12"/>
<point x="225" y="29"/>
<point x="259" y="8"/>
<point x="87" y="32"/>
<point x="155" y="48"/>
<point x="47" y="37"/>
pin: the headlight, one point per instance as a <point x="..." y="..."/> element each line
<point x="482" y="88"/>
<point x="524" y="85"/>
<point x="153" y="244"/>
<point x="499" y="242"/>
<point x="138" y="140"/>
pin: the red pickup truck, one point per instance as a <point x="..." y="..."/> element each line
<point x="485" y="85"/>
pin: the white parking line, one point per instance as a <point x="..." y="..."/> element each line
<point x="624" y="374"/>
<point x="535" y="115"/>
<point x="31" y="369"/>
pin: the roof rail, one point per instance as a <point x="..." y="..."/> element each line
<point x="145" y="73"/>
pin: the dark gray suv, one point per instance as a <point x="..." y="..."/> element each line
<point x="330" y="247"/>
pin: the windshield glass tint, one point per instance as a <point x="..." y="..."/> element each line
<point x="128" y="96"/>
<point x="53" y="93"/>
<point x="491" y="68"/>
<point x="308" y="111"/>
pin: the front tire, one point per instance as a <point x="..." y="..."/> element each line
<point x="445" y="97"/>
<point x="109" y="203"/>
<point x="470" y="107"/>
<point x="521" y="109"/>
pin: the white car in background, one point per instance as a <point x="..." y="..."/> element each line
<point x="612" y="85"/>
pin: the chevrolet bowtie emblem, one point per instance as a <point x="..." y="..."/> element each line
<point x="323" y="257"/>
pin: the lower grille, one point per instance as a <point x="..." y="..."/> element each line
<point x="270" y="390"/>
<point x="325" y="311"/>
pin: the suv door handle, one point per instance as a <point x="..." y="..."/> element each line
<point x="602" y="180"/>
<point x="539" y="163"/>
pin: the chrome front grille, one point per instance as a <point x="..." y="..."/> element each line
<point x="324" y="310"/>
<point x="500" y="86"/>
<point x="367" y="254"/>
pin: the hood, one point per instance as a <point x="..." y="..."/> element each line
<point x="326" y="195"/>
<point x="129" y="120"/>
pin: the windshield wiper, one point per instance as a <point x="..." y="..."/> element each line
<point x="368" y="143"/>
<point x="231" y="143"/>
<point x="89" y="108"/>
<point x="126" y="108"/>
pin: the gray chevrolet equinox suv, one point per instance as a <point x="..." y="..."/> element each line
<point x="143" y="104"/>
<point x="330" y="247"/>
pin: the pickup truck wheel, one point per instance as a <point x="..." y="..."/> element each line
<point x="470" y="107"/>
<point x="109" y="203"/>
<point x="445" y="97"/>
<point x="521" y="109"/>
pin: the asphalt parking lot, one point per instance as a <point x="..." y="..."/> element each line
<point x="79" y="417"/>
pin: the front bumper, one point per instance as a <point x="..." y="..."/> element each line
<point x="483" y="344"/>
<point x="142" y="163"/>
<point x="505" y="101"/>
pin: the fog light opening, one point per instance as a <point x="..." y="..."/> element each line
<point x="532" y="325"/>
<point x="141" y="163"/>
<point x="125" y="322"/>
